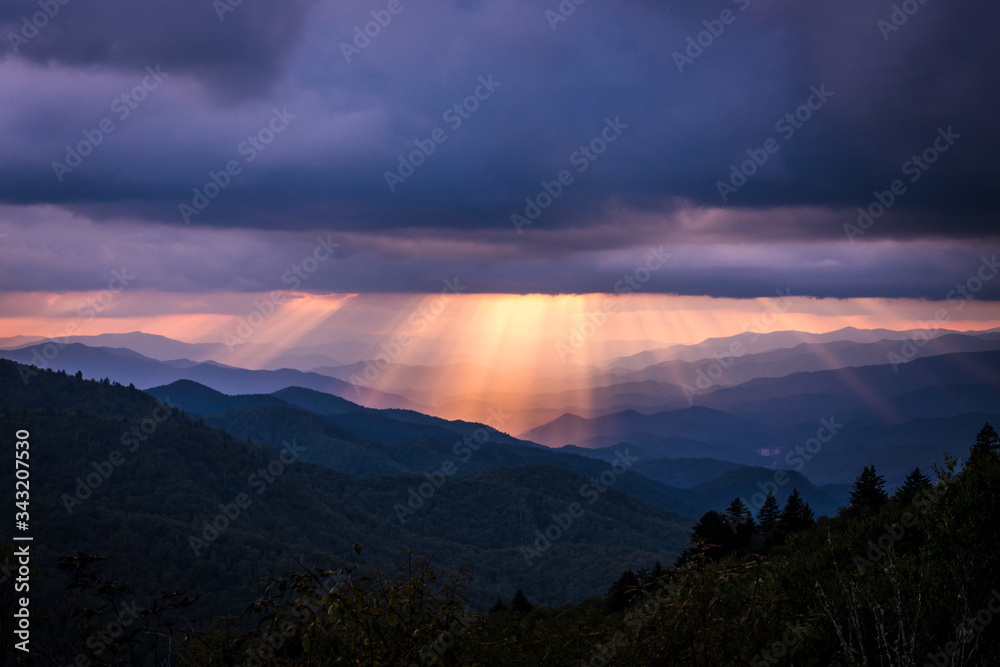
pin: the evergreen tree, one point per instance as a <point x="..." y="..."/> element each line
<point x="622" y="591"/>
<point x="713" y="529"/>
<point x="714" y="532"/>
<point x="987" y="443"/>
<point x="737" y="515"/>
<point x="769" y="514"/>
<point x="913" y="484"/>
<point x="796" y="516"/>
<point x="868" y="492"/>
<point x="520" y="604"/>
<point x="498" y="606"/>
<point x="741" y="524"/>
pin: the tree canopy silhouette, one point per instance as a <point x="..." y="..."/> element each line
<point x="868" y="492"/>
<point x="796" y="516"/>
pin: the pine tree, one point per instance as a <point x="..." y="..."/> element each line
<point x="741" y="524"/>
<point x="622" y="591"/>
<point x="915" y="482"/>
<point x="796" y="516"/>
<point x="769" y="514"/>
<point x="868" y="492"/>
<point x="712" y="528"/>
<point x="987" y="443"/>
<point x="737" y="514"/>
<point x="716" y="535"/>
<point x="520" y="604"/>
<point x="498" y="606"/>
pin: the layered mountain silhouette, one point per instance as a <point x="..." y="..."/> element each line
<point x="666" y="436"/>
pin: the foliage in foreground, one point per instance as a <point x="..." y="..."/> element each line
<point x="906" y="579"/>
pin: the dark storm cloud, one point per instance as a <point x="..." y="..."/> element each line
<point x="880" y="97"/>
<point x="82" y="255"/>
<point x="922" y="272"/>
<point x="235" y="49"/>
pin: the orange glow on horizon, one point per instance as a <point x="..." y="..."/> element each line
<point x="667" y="318"/>
<point x="477" y="351"/>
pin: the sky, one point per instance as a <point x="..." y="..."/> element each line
<point x="209" y="153"/>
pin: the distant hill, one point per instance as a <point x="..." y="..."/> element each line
<point x="895" y="449"/>
<point x="197" y="398"/>
<point x="800" y="358"/>
<point x="386" y="426"/>
<point x="874" y="383"/>
<point x="651" y="447"/>
<point x="751" y="483"/>
<point x="316" y="401"/>
<point x="707" y="484"/>
<point x="374" y="443"/>
<point x="163" y="348"/>
<point x="696" y="423"/>
<point x="684" y="473"/>
<point x="128" y="367"/>
<point x="756" y="343"/>
<point x="671" y="447"/>
<point x="143" y="512"/>
<point x="896" y="418"/>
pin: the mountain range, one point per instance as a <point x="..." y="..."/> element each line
<point x="396" y="469"/>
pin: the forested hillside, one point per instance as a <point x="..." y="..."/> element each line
<point x="176" y="504"/>
<point x="899" y="576"/>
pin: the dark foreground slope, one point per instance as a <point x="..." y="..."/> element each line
<point x="115" y="472"/>
<point x="906" y="579"/>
